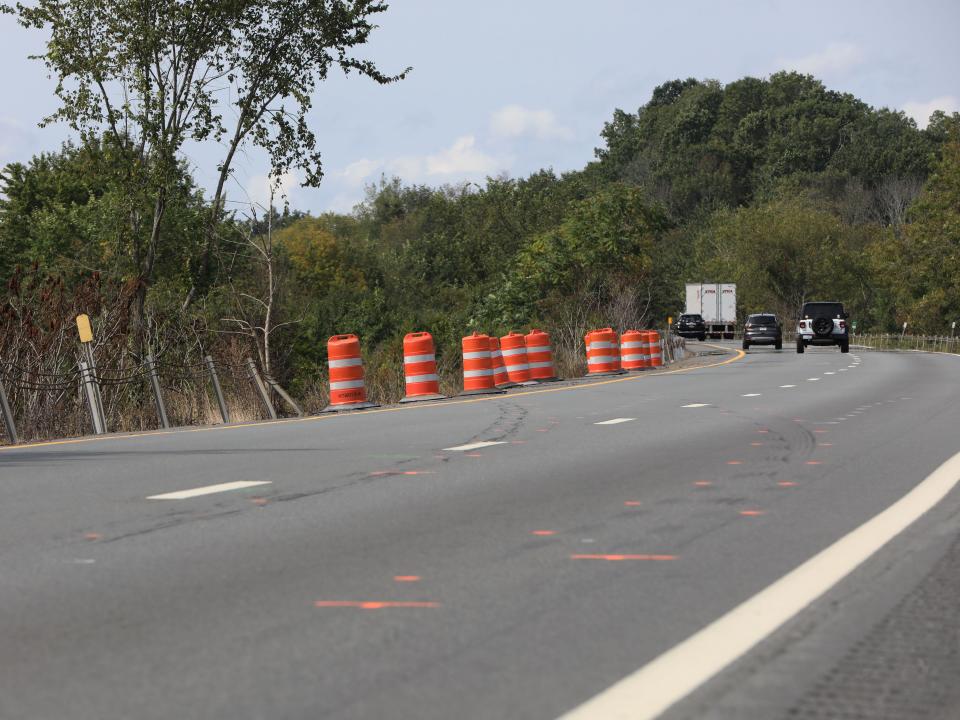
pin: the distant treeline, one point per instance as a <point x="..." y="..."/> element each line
<point x="790" y="190"/>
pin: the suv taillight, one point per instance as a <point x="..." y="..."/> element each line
<point x="843" y="325"/>
<point x="803" y="324"/>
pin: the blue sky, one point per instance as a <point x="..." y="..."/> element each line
<point x="503" y="87"/>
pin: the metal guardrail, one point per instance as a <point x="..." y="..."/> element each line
<point x="892" y="342"/>
<point x="88" y="380"/>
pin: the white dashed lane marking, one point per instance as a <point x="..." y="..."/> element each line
<point x="208" y="490"/>
<point x="615" y="421"/>
<point x="476" y="445"/>
<point x="787" y="386"/>
<point x="696" y="405"/>
<point x="812" y="379"/>
<point x="752" y="395"/>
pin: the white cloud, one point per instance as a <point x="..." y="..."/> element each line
<point x="921" y="111"/>
<point x="835" y="59"/>
<point x="15" y="138"/>
<point x="258" y="189"/>
<point x="357" y="172"/>
<point x="461" y="158"/>
<point x="515" y="121"/>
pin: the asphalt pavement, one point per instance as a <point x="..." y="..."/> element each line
<point x="509" y="556"/>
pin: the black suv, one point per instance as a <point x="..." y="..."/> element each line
<point x="763" y="329"/>
<point x="691" y="326"/>
<point x="823" y="323"/>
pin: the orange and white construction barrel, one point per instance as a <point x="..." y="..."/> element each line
<point x="420" y="368"/>
<point x="603" y="352"/>
<point x="478" y="366"/>
<point x="500" y="378"/>
<point x="633" y="350"/>
<point x="347" y="389"/>
<point x="540" y="356"/>
<point x="653" y="347"/>
<point x="514" y="348"/>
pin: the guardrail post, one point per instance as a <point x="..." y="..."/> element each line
<point x="157" y="396"/>
<point x="283" y="394"/>
<point x="217" y="390"/>
<point x="260" y="388"/>
<point x="91" y="394"/>
<point x="8" y="416"/>
<point x="94" y="383"/>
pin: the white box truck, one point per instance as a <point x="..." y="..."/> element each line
<point x="717" y="303"/>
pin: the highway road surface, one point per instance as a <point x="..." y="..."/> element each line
<point x="773" y="536"/>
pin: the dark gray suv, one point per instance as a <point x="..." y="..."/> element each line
<point x="763" y="329"/>
<point x="823" y="323"/>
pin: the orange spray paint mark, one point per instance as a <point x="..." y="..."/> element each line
<point x="618" y="558"/>
<point x="814" y="462"/>
<point x="473" y="454"/>
<point x="734" y="462"/>
<point x="820" y="432"/>
<point x="756" y="444"/>
<point x="259" y="501"/>
<point x="763" y="432"/>
<point x="825" y="444"/>
<point x="92" y="536"/>
<point x="372" y="604"/>
<point x="632" y="503"/>
<point x="544" y="532"/>
<point x="752" y="513"/>
<point x="407" y="578"/>
<point x="702" y="483"/>
<point x="787" y="483"/>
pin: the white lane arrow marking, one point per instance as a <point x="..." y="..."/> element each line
<point x="209" y="490"/>
<point x="475" y="446"/>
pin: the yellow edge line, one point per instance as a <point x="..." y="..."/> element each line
<point x="740" y="354"/>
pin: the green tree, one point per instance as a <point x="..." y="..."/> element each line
<point x="161" y="74"/>
<point x="924" y="264"/>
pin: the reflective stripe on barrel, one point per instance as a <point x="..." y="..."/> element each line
<point x="603" y="351"/>
<point x="633" y="350"/>
<point x="539" y="355"/>
<point x="346" y="370"/>
<point x="420" y="366"/>
<point x="477" y="363"/>
<point x="514" y="349"/>
<point x="500" y="378"/>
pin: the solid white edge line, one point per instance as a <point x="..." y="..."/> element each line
<point x="652" y="689"/>
<point x="615" y="421"/>
<point x="209" y="490"/>
<point x="475" y="446"/>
